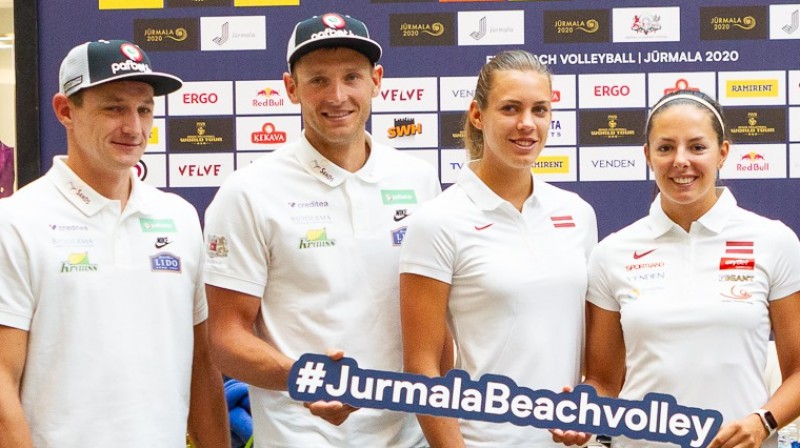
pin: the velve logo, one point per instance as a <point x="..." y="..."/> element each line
<point x="491" y="27"/>
<point x="406" y="95"/>
<point x="406" y="130"/>
<point x="233" y="33"/>
<point x="199" y="170"/>
<point x="202" y="98"/>
<point x="617" y="90"/>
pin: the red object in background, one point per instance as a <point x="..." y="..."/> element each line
<point x="6" y="170"/>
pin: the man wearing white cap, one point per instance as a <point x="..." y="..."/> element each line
<point x="102" y="304"/>
<point x="304" y="245"/>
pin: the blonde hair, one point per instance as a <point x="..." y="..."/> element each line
<point x="520" y="60"/>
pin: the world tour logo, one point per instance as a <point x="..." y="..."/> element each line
<point x="496" y="398"/>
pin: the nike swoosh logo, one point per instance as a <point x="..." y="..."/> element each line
<point x="400" y="218"/>
<point x="637" y="255"/>
<point x="160" y="245"/>
<point x="479" y="228"/>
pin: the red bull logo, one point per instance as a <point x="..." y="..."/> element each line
<point x="268" y="97"/>
<point x="752" y="161"/>
<point x="752" y="155"/>
<point x="268" y="92"/>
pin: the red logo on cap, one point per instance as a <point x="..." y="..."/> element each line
<point x="131" y="51"/>
<point x="333" y="21"/>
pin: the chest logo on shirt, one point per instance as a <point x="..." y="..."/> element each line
<point x="150" y="225"/>
<point x="165" y="262"/>
<point x="398" y="235"/>
<point x="162" y="241"/>
<point x="562" y="221"/>
<point x="637" y="255"/>
<point x="316" y="238"/>
<point x="737" y="293"/>
<point x="738" y="255"/>
<point x="393" y="197"/>
<point x="78" y="262"/>
<point x="401" y="214"/>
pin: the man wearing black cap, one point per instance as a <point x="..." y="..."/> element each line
<point x="102" y="305"/>
<point x="304" y="245"/>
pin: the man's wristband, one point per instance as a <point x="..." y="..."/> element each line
<point x="768" y="420"/>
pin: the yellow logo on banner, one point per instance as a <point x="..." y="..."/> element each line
<point x="551" y="165"/>
<point x="266" y="2"/>
<point x="153" y="140"/>
<point x="752" y="88"/>
<point x="131" y="4"/>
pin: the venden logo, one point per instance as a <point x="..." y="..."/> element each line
<point x="422" y="29"/>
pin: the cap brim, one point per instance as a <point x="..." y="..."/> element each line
<point x="163" y="83"/>
<point x="367" y="47"/>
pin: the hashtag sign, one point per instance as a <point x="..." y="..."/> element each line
<point x="310" y="377"/>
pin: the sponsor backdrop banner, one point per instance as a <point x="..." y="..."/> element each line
<point x="611" y="64"/>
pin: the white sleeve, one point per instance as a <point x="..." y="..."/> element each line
<point x="236" y="246"/>
<point x="428" y="249"/>
<point x="785" y="280"/>
<point x="600" y="291"/>
<point x="17" y="300"/>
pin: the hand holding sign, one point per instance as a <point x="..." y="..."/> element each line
<point x="496" y="398"/>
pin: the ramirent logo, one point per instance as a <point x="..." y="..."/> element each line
<point x="129" y="66"/>
<point x="496" y="398"/>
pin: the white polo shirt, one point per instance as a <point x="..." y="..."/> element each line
<point x="109" y="299"/>
<point x="518" y="282"/>
<point x="320" y="246"/>
<point x="695" y="306"/>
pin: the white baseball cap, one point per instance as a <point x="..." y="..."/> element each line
<point x="331" y="30"/>
<point x="102" y="61"/>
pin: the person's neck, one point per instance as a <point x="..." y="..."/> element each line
<point x="115" y="185"/>
<point x="513" y="185"/>
<point x="350" y="156"/>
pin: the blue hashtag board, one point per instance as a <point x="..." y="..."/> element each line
<point x="497" y="398"/>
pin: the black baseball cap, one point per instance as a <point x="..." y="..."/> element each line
<point x="98" y="62"/>
<point x="331" y="30"/>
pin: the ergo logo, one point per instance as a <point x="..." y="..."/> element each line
<point x="200" y="98"/>
<point x="612" y="90"/>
